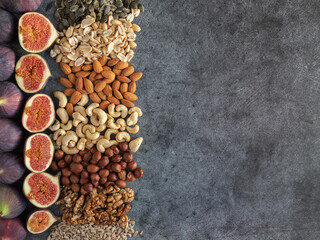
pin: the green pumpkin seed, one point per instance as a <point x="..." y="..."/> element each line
<point x="115" y="16"/>
<point x="123" y="15"/>
<point x="65" y="22"/>
<point x="126" y="10"/>
<point x="57" y="16"/>
<point x="141" y="7"/>
<point x="74" y="8"/>
<point x="104" y="19"/>
<point x="134" y="5"/>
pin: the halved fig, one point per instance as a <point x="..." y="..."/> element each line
<point x="38" y="113"/>
<point x="40" y="220"/>
<point x="41" y="189"/>
<point x="32" y="73"/>
<point x="38" y="152"/>
<point x="36" y="32"/>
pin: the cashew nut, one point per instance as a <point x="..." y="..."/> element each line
<point x="91" y="107"/>
<point x="68" y="150"/>
<point x="123" y="109"/>
<point x="84" y="100"/>
<point x="55" y="126"/>
<point x="71" y="144"/>
<point x="112" y="112"/>
<point x="67" y="126"/>
<point x="112" y="124"/>
<point x="133" y="130"/>
<point x="81" y="144"/>
<point x="102" y="144"/>
<point x="136" y="109"/>
<point x="122" y="124"/>
<point x="79" y="131"/>
<point x="108" y="133"/>
<point x="78" y="118"/>
<point x="123" y="137"/>
<point x="81" y="110"/>
<point x="59" y="140"/>
<point x="102" y="115"/>
<point x="101" y="128"/>
<point x="62" y="98"/>
<point x="89" y="144"/>
<point x="94" y="119"/>
<point x="88" y="127"/>
<point x="58" y="133"/>
<point x="133" y="119"/>
<point x="97" y="140"/>
<point x="63" y="115"/>
<point x="135" y="144"/>
<point x="92" y="136"/>
<point x="70" y="136"/>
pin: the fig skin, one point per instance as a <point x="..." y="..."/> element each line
<point x="10" y="99"/>
<point x="20" y="6"/>
<point x="10" y="135"/>
<point x="46" y="73"/>
<point x="11" y="168"/>
<point x="31" y="220"/>
<point x="8" y="26"/>
<point x="12" y="229"/>
<point x="12" y="203"/>
<point x="7" y="62"/>
<point x="53" y="35"/>
<point x="28" y="147"/>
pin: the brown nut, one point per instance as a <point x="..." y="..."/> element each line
<point x="95" y="183"/>
<point x="93" y="150"/>
<point x="76" y="168"/>
<point x="58" y="154"/>
<point x="75" y="187"/>
<point x="132" y="165"/>
<point x="109" y="167"/>
<point x="54" y="166"/>
<point x="116" y="158"/>
<point x="113" y="177"/>
<point x="83" y="152"/>
<point x="92" y="168"/>
<point x="107" y="184"/>
<point x="87" y="156"/>
<point x="123" y="146"/>
<point x="109" y="152"/>
<point x="83" y="181"/>
<point x="104" y="161"/>
<point x="82" y="191"/>
<point x="122" y="175"/>
<point x="104" y="173"/>
<point x="96" y="156"/>
<point x="116" y="167"/>
<point x="94" y="177"/>
<point x="84" y="174"/>
<point x="77" y="158"/>
<point x="66" y="172"/>
<point x="65" y="180"/>
<point x="68" y="159"/>
<point x="123" y="164"/>
<point x="115" y="149"/>
<point x="88" y="187"/>
<point x="103" y="180"/>
<point x="74" y="178"/>
<point x="138" y="173"/>
<point x="62" y="163"/>
<point x="127" y="157"/>
<point x="121" y="183"/>
<point x="130" y="177"/>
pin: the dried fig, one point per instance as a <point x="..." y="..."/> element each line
<point x="11" y="168"/>
<point x="12" y="203"/>
<point x="7" y="61"/>
<point x="40" y="220"/>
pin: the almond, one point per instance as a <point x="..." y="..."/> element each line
<point x="127" y="71"/>
<point x="108" y="80"/>
<point x="100" y="86"/>
<point x="113" y="62"/>
<point x="65" y="68"/>
<point x="69" y="109"/>
<point x="102" y="95"/>
<point x="117" y="71"/>
<point x="82" y="74"/>
<point x="106" y="68"/>
<point x="132" y="87"/>
<point x="113" y="100"/>
<point x="124" y="88"/>
<point x="108" y="75"/>
<point x="130" y="96"/>
<point x="79" y="84"/>
<point x="108" y="91"/>
<point x="99" y="76"/>
<point x="136" y="76"/>
<point x="123" y="79"/>
<point x="83" y="92"/>
<point x="94" y="97"/>
<point x="121" y="65"/>
<point x="127" y="103"/>
<point x="65" y="82"/>
<point x="88" y="85"/>
<point x="69" y="91"/>
<point x="104" y="105"/>
<point x="76" y="96"/>
<point x="87" y="67"/>
<point x="72" y="78"/>
<point x="76" y="69"/>
<point x="116" y="85"/>
<point x="97" y="66"/>
<point x="117" y="94"/>
<point x="92" y="76"/>
<point x="103" y="60"/>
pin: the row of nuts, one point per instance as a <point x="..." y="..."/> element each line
<point x="89" y="169"/>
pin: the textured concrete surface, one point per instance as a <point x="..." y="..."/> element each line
<point x="231" y="120"/>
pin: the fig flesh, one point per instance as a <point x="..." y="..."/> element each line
<point x="11" y="168"/>
<point x="38" y="152"/>
<point x="36" y="32"/>
<point x="38" y="113"/>
<point x="7" y="26"/>
<point x="41" y="189"/>
<point x="12" y="203"/>
<point x="10" y="99"/>
<point x="10" y="135"/>
<point x="32" y="73"/>
<point x="40" y="221"/>
<point x="12" y="229"/>
<point x="7" y="62"/>
<point x="18" y="6"/>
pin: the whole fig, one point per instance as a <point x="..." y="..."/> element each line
<point x="10" y="135"/>
<point x="7" y="25"/>
<point x="11" y="168"/>
<point x="10" y="99"/>
<point x="19" y="6"/>
<point x="12" y="229"/>
<point x="7" y="62"/>
<point x="12" y="203"/>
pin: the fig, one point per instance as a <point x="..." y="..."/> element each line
<point x="12" y="203"/>
<point x="7" y="62"/>
<point x="12" y="229"/>
<point x="36" y="32"/>
<point x="20" y="6"/>
<point x="10" y="135"/>
<point x="32" y="73"/>
<point x="38" y="113"/>
<point x="40" y="220"/>
<point x="11" y="168"/>
<point x="38" y="152"/>
<point x="41" y="189"/>
<point x="7" y="26"/>
<point x="10" y="99"/>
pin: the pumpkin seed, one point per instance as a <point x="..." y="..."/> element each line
<point x="134" y="5"/>
<point x="57" y="16"/>
<point x="141" y="7"/>
<point x="74" y="8"/>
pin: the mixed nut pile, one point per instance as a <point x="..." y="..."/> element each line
<point x="91" y="133"/>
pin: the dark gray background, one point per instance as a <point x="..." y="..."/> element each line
<point x="231" y="119"/>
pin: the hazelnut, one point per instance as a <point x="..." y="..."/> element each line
<point x="68" y="159"/>
<point x="87" y="156"/>
<point x="104" y="173"/>
<point x="122" y="175"/>
<point x="94" y="177"/>
<point x="103" y="180"/>
<point x="132" y="165"/>
<point x="112" y="177"/>
<point x="130" y="177"/>
<point x="92" y="168"/>
<point x="123" y="164"/>
<point x="116" y="167"/>
<point x="84" y="174"/>
<point x="115" y="149"/>
<point x="62" y="163"/>
<point x="109" y="167"/>
<point x="74" y="178"/>
<point x="104" y="161"/>
<point x="54" y="166"/>
<point x="121" y="183"/>
<point x="123" y="146"/>
<point x="83" y="180"/>
<point x="138" y="173"/>
<point x="93" y="150"/>
<point x="82" y="191"/>
<point x="107" y="184"/>
<point x="95" y="183"/>
<point x="96" y="156"/>
<point x="83" y="152"/>
<point x="109" y="152"/>
<point x="88" y="187"/>
<point x="66" y="172"/>
<point x="59" y="154"/>
<point x="76" y="168"/>
<point x="75" y="187"/>
<point x="65" y="180"/>
<point x="127" y="157"/>
<point x="77" y="158"/>
<point x="85" y="164"/>
<point x="116" y="158"/>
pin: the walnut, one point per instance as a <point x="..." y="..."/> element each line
<point x="78" y="204"/>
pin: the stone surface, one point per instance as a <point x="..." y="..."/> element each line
<point x="231" y="120"/>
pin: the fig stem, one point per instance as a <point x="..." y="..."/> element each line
<point x="3" y="101"/>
